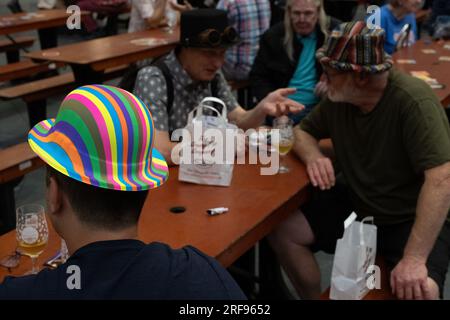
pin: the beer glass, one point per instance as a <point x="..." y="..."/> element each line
<point x="285" y="141"/>
<point x="31" y="232"/>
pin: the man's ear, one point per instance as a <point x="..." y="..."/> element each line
<point x="54" y="197"/>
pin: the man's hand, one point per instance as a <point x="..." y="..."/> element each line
<point x="321" y="173"/>
<point x="277" y="104"/>
<point x="181" y="7"/>
<point x="409" y="279"/>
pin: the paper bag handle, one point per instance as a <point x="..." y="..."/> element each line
<point x="199" y="111"/>
<point x="216" y="100"/>
<point x="361" y="229"/>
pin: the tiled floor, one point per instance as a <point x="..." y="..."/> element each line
<point x="14" y="128"/>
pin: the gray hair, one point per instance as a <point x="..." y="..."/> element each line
<point x="324" y="22"/>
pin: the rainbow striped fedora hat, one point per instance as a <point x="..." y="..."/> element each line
<point x="102" y="136"/>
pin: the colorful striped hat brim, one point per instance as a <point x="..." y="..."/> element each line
<point x="102" y="136"/>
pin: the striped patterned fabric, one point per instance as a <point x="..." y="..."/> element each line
<point x="102" y="136"/>
<point x="250" y="18"/>
<point x="355" y="47"/>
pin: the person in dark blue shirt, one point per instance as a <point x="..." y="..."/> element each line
<point x="128" y="269"/>
<point x="101" y="164"/>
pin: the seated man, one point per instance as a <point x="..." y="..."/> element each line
<point x="392" y="144"/>
<point x="286" y="54"/>
<point x="191" y="73"/>
<point x="98" y="175"/>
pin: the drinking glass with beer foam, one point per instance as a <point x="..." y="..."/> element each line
<point x="285" y="141"/>
<point x="31" y="232"/>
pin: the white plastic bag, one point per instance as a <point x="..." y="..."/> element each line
<point x="204" y="167"/>
<point x="355" y="253"/>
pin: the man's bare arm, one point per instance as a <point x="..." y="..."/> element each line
<point x="432" y="209"/>
<point x="409" y="279"/>
<point x="319" y="167"/>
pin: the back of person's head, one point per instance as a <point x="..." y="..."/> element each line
<point x="323" y="21"/>
<point x="99" y="208"/>
<point x="99" y="150"/>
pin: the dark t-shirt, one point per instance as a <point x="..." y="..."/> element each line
<point x="128" y="269"/>
<point x="383" y="154"/>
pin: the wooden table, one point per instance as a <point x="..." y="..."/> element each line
<point x="45" y="21"/>
<point x="256" y="205"/>
<point x="440" y="70"/>
<point x="89" y="59"/>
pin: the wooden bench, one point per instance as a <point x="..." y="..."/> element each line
<point x="39" y="89"/>
<point x="17" y="161"/>
<point x="12" y="47"/>
<point x="26" y="68"/>
<point x="18" y="43"/>
<point x="384" y="293"/>
<point x="36" y="92"/>
<point x="43" y="88"/>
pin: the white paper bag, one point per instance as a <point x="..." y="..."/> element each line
<point x="215" y="168"/>
<point x="355" y="253"/>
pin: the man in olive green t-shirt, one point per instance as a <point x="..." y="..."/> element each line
<point x="391" y="142"/>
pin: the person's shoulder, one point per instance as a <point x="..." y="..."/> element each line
<point x="180" y="260"/>
<point x="407" y="82"/>
<point x="43" y="285"/>
<point x="181" y="256"/>
<point x="213" y="274"/>
<point x="153" y="70"/>
<point x="410" y="18"/>
<point x="275" y="31"/>
<point x="194" y="257"/>
<point x="411" y="92"/>
<point x="385" y="10"/>
<point x="149" y="71"/>
<point x="199" y="275"/>
<point x="386" y="15"/>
